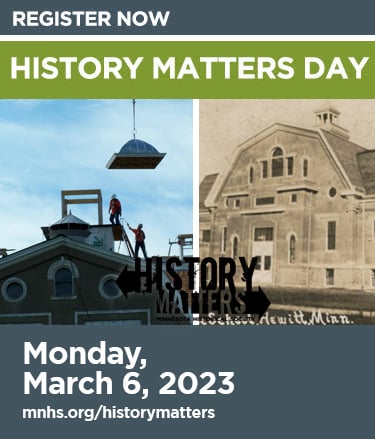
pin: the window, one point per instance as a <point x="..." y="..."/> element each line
<point x="264" y="169"/>
<point x="290" y="162"/>
<point x="372" y="278"/>
<point x="258" y="265"/>
<point x="237" y="203"/>
<point x="293" y="198"/>
<point x="330" y="276"/>
<point x="235" y="247"/>
<point x="263" y="234"/>
<point x="251" y="175"/>
<point x="305" y="168"/>
<point x="14" y="289"/>
<point x="62" y="273"/>
<point x="264" y="200"/>
<point x="108" y="287"/>
<point x="292" y="249"/>
<point x="266" y="266"/>
<point x="111" y="289"/>
<point x="206" y="235"/>
<point x="63" y="283"/>
<point x="331" y="235"/>
<point x="277" y="163"/>
<point x="223" y="239"/>
<point x="332" y="192"/>
<point x="267" y="263"/>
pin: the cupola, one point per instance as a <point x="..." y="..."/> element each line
<point x="69" y="225"/>
<point x="327" y="118"/>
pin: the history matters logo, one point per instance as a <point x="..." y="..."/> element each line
<point x="196" y="287"/>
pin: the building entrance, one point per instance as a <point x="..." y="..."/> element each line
<point x="263" y="250"/>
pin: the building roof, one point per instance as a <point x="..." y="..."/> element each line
<point x="70" y="220"/>
<point x="327" y="106"/>
<point x="347" y="154"/>
<point x="366" y="161"/>
<point x="205" y="187"/>
<point x="356" y="162"/>
<point x="63" y="244"/>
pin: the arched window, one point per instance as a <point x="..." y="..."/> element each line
<point x="63" y="274"/>
<point x="292" y="249"/>
<point x="63" y="283"/>
<point x="277" y="165"/>
<point x="235" y="247"/>
<point x="305" y="168"/>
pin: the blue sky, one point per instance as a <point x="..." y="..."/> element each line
<point x="52" y="145"/>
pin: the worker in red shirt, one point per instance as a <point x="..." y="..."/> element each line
<point x="139" y="239"/>
<point x="114" y="210"/>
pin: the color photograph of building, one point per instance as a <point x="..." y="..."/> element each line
<point x="62" y="165"/>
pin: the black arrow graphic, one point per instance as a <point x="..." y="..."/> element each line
<point x="129" y="281"/>
<point x="256" y="301"/>
<point x="126" y="281"/>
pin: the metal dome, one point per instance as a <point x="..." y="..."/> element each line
<point x="136" y="154"/>
<point x="135" y="146"/>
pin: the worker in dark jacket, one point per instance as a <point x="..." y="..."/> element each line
<point x="139" y="239"/>
<point x="114" y="210"/>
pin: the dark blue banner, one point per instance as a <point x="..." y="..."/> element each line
<point x="170" y="17"/>
<point x="257" y="381"/>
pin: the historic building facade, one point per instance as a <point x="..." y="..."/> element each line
<point x="302" y="201"/>
<point x="71" y="279"/>
<point x="63" y="281"/>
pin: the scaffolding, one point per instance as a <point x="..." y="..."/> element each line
<point x="94" y="196"/>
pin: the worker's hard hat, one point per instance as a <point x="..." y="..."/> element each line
<point x="113" y="196"/>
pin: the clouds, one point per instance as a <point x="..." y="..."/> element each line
<point x="50" y="145"/>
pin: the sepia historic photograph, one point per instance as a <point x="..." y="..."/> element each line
<point x="292" y="183"/>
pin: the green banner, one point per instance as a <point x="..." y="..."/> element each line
<point x="187" y="69"/>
